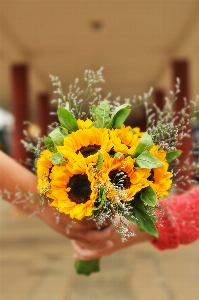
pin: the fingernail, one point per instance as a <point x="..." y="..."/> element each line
<point x="109" y="244"/>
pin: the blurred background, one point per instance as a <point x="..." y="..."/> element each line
<point x="141" y="44"/>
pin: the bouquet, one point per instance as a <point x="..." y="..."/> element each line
<point x="91" y="166"/>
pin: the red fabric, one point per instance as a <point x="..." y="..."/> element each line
<point x="178" y="220"/>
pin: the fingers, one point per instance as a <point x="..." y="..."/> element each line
<point x="92" y="236"/>
<point x="88" y="253"/>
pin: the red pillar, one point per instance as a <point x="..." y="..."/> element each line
<point x="19" y="107"/>
<point x="181" y="71"/>
<point x="43" y="112"/>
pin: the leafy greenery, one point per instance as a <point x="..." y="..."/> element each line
<point x="119" y="116"/>
<point x="58" y="135"/>
<point x="144" y="144"/>
<point x="101" y="113"/>
<point x="50" y="145"/>
<point x="148" y="196"/>
<point x="67" y="119"/>
<point x="148" y="160"/>
<point x="172" y="155"/>
<point x="57" y="158"/>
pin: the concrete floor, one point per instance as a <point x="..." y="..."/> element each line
<point x="36" y="264"/>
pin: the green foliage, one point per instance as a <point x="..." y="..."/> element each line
<point x="57" y="159"/>
<point x="144" y="144"/>
<point x="148" y="196"/>
<point x="101" y="113"/>
<point x="118" y="154"/>
<point x="101" y="199"/>
<point x="67" y="119"/>
<point x="50" y="145"/>
<point x="119" y="116"/>
<point x="99" y="160"/>
<point x="148" y="160"/>
<point x="141" y="218"/>
<point x="172" y="155"/>
<point x="58" y="135"/>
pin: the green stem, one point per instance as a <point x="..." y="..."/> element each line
<point x="87" y="267"/>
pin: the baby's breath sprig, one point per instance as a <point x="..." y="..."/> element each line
<point x="168" y="127"/>
<point x="34" y="146"/>
<point x="76" y="97"/>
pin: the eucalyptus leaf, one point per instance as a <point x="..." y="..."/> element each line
<point x="172" y="155"/>
<point x="148" y="160"/>
<point x="119" y="116"/>
<point x="50" y="145"/>
<point x="102" y="117"/>
<point x="57" y="158"/>
<point x="145" y="143"/>
<point x="67" y="119"/>
<point x="58" y="135"/>
<point x="148" y="196"/>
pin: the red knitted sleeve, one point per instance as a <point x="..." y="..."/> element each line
<point x="178" y="220"/>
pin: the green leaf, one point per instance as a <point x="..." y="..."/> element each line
<point x="87" y="267"/>
<point x="148" y="160"/>
<point x="143" y="220"/>
<point x="172" y="155"/>
<point x="99" y="160"/>
<point x="93" y="109"/>
<point x="148" y="196"/>
<point x="102" y="117"/>
<point x="58" y="135"/>
<point x="50" y="145"/>
<point x="101" y="199"/>
<point x="144" y="144"/>
<point x="57" y="158"/>
<point x="67" y="119"/>
<point x="119" y="116"/>
<point x="118" y="154"/>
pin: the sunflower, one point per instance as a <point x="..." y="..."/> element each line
<point x="87" y="142"/>
<point x="73" y="186"/>
<point x="44" y="168"/>
<point x="124" y="181"/>
<point x="125" y="139"/>
<point x="161" y="177"/>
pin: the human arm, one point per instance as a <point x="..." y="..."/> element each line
<point x="178" y="220"/>
<point x="14" y="177"/>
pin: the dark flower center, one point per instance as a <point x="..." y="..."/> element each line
<point x="112" y="152"/>
<point x="120" y="179"/>
<point x="50" y="171"/>
<point x="90" y="150"/>
<point x="151" y="177"/>
<point x="80" y="188"/>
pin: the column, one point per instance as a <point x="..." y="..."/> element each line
<point x="43" y="120"/>
<point x="19" y="107"/>
<point x="180" y="69"/>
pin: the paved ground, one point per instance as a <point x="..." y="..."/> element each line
<point x="36" y="264"/>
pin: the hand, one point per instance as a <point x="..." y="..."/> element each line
<point x="82" y="231"/>
<point x="87" y="251"/>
